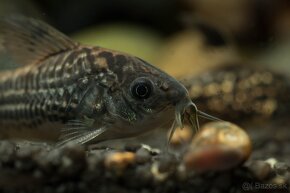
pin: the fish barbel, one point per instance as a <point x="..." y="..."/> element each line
<point x="82" y="94"/>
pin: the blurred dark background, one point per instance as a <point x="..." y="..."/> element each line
<point x="194" y="35"/>
<point x="72" y="15"/>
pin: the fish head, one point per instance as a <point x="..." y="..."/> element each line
<point x="145" y="98"/>
<point x="138" y="97"/>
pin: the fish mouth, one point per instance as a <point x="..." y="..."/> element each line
<point x="188" y="110"/>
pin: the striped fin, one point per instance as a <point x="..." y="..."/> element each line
<point x="78" y="132"/>
<point x="79" y="136"/>
<point x="30" y="41"/>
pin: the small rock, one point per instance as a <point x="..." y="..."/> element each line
<point x="280" y="181"/>
<point x="119" y="160"/>
<point x="260" y="169"/>
<point x="153" y="151"/>
<point x="158" y="175"/>
<point x="218" y="146"/>
<point x="142" y="156"/>
<point x="181" y="137"/>
<point x="166" y="163"/>
<point x="281" y="168"/>
<point x="7" y="150"/>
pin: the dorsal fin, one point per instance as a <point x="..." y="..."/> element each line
<point x="29" y="40"/>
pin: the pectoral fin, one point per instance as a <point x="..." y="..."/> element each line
<point x="78" y="132"/>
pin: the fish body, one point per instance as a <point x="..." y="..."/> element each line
<point x="78" y="93"/>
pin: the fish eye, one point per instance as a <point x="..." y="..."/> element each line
<point x="141" y="88"/>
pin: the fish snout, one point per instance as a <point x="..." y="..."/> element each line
<point x="176" y="93"/>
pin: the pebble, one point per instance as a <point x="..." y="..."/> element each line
<point x="166" y="162"/>
<point x="218" y="146"/>
<point x="181" y="137"/>
<point x="260" y="169"/>
<point x="281" y="168"/>
<point x="119" y="160"/>
<point x="142" y="156"/>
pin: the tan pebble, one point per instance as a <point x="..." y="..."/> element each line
<point x="119" y="160"/>
<point x="160" y="176"/>
<point x="279" y="180"/>
<point x="218" y="146"/>
<point x="181" y="136"/>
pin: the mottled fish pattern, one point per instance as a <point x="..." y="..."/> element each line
<point x="77" y="93"/>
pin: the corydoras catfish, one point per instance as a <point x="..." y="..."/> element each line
<point x="82" y="94"/>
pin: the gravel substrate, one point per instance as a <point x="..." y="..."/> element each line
<point x="241" y="92"/>
<point x="32" y="168"/>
